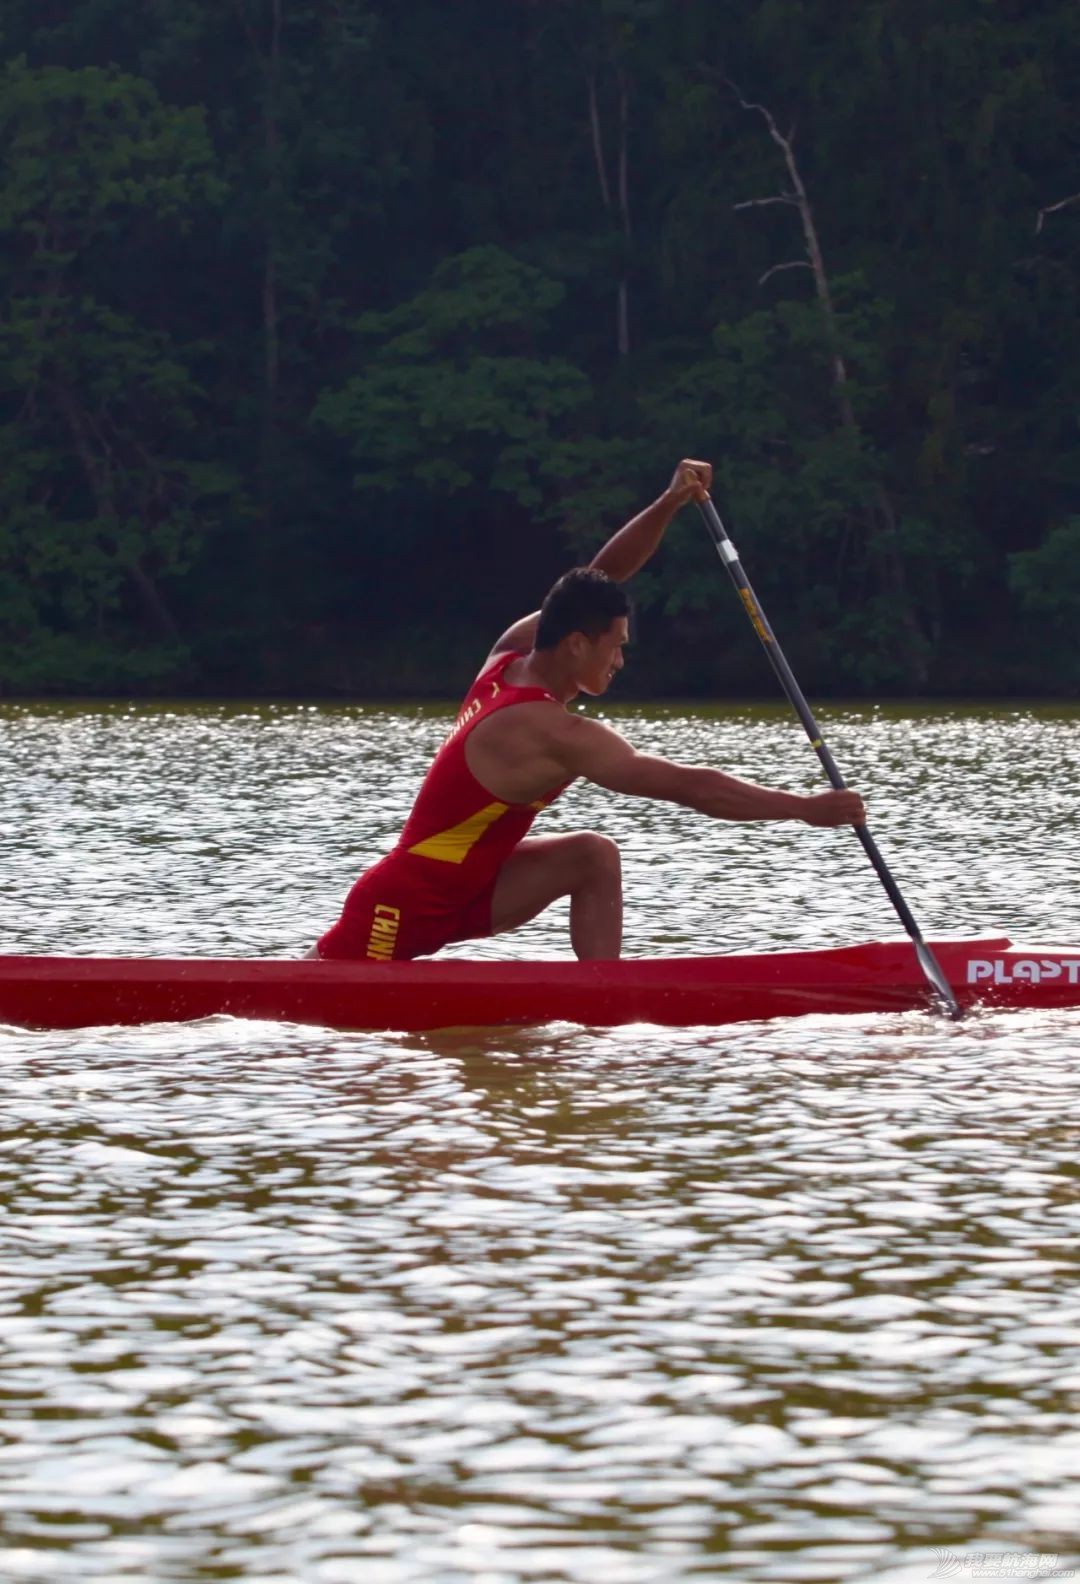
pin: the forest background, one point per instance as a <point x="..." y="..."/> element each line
<point x="332" y="330"/>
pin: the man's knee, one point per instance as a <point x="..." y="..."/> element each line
<point x="599" y="855"/>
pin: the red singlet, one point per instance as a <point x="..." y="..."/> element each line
<point x="436" y="885"/>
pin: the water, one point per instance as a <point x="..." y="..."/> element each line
<point x="789" y="1301"/>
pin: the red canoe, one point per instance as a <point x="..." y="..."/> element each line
<point x="75" y="992"/>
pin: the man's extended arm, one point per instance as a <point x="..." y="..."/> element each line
<point x="627" y="551"/>
<point x="588" y="748"/>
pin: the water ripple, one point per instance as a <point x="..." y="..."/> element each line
<point x="787" y="1301"/>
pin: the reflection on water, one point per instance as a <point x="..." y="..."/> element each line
<point x="788" y="1301"/>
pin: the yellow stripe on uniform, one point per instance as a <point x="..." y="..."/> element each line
<point x="454" y="845"/>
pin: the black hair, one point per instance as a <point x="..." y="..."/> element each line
<point x="585" y="601"/>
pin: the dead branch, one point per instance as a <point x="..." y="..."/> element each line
<point x="880" y="516"/>
<point x="1053" y="209"/>
<point x="776" y="268"/>
<point x="760" y="203"/>
<point x="800" y="198"/>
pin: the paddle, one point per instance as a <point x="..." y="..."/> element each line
<point x="730" y="557"/>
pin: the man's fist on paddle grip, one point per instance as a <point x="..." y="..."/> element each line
<point x="692" y="481"/>
<point x="834" y="808"/>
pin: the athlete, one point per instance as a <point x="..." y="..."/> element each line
<point x="465" y="866"/>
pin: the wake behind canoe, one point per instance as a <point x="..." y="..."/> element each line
<point x="79" y="992"/>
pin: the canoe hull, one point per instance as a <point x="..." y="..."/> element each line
<point x="79" y="992"/>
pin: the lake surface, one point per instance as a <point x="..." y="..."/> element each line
<point x="787" y="1301"/>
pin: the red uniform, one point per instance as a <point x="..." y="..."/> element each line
<point x="436" y="885"/>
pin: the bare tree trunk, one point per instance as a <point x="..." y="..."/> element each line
<point x="271" y="334"/>
<point x="153" y="602"/>
<point x="616" y="205"/>
<point x="598" y="145"/>
<point x="800" y="199"/>
<point x="99" y="479"/>
<point x="623" y="332"/>
<point x="880" y="517"/>
<point x="267" y="54"/>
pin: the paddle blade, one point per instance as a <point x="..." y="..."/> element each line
<point x="932" y="969"/>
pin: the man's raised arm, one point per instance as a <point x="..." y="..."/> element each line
<point x="627" y="551"/>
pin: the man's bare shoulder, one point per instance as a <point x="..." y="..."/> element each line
<point x="579" y="741"/>
<point x="545" y="731"/>
<point x="541" y="719"/>
<point x="582" y="727"/>
<point x="517" y="753"/>
<point x="557" y="721"/>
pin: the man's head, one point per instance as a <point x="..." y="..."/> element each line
<point x="585" y="616"/>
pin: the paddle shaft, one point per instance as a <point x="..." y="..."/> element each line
<point x="730" y="557"/>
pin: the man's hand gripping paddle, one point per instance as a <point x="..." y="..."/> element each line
<point x="730" y="557"/>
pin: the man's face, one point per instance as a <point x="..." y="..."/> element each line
<point x="599" y="659"/>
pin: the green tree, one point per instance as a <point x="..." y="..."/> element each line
<point x="104" y="502"/>
<point x="454" y="391"/>
<point x="362" y="147"/>
<point x="1046" y="581"/>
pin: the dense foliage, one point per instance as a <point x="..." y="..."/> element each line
<point x="331" y="330"/>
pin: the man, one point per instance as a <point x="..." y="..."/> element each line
<point x="464" y="866"/>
